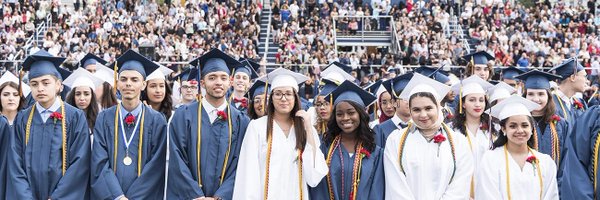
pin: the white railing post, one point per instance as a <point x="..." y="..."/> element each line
<point x="268" y="34"/>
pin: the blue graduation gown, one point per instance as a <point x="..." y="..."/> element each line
<point x="305" y="104"/>
<point x="240" y="108"/>
<point x="36" y="169"/>
<point x="578" y="161"/>
<point x="106" y="184"/>
<point x="5" y="133"/>
<point x="572" y="113"/>
<point x="545" y="137"/>
<point x="183" y="163"/>
<point x="383" y="130"/>
<point x="371" y="185"/>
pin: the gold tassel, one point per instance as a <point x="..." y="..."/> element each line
<point x="115" y="70"/>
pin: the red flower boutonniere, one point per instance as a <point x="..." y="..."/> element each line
<point x="449" y="116"/>
<point x="438" y="139"/>
<point x="484" y="126"/>
<point x="555" y="119"/>
<point x="243" y="102"/>
<point x="577" y="104"/>
<point x="533" y="160"/>
<point x="222" y="115"/>
<point x="56" y="116"/>
<point x="365" y="153"/>
<point x="130" y="120"/>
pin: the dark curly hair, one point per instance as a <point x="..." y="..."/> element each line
<point x="459" y="121"/>
<point x="502" y="139"/>
<point x="365" y="134"/>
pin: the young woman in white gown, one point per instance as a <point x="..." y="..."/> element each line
<point x="280" y="156"/>
<point x="427" y="160"/>
<point x="513" y="169"/>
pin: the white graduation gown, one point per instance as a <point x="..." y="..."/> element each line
<point x="480" y="143"/>
<point x="524" y="184"/>
<point x="283" y="169"/>
<point x="426" y="175"/>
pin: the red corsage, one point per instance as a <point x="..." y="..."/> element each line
<point x="365" y="153"/>
<point x="555" y="119"/>
<point x="484" y="126"/>
<point x="222" y="115"/>
<point x="533" y="160"/>
<point x="577" y="104"/>
<point x="130" y="120"/>
<point x="438" y="139"/>
<point x="56" y="116"/>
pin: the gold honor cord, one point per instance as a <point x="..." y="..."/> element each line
<point x="595" y="167"/>
<point x="560" y="102"/>
<point x="198" y="142"/>
<point x="536" y="165"/>
<point x="63" y="135"/>
<point x="555" y="143"/>
<point x="299" y="161"/>
<point x="116" y="141"/>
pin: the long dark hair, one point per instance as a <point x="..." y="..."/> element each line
<point x="91" y="112"/>
<point x="108" y="98"/>
<point x="166" y="106"/>
<point x="365" y="134"/>
<point x="251" y="113"/>
<point x="298" y="122"/>
<point x="502" y="139"/>
<point x="550" y="108"/>
<point x="459" y="121"/>
<point x="16" y="87"/>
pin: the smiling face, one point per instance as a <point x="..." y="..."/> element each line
<point x="283" y="99"/>
<point x="83" y="97"/>
<point x="9" y="99"/>
<point x="241" y="82"/>
<point x="539" y="96"/>
<point x="423" y="111"/>
<point x="347" y="117"/>
<point x="259" y="104"/>
<point x="518" y="129"/>
<point x="45" y="88"/>
<point x="216" y="84"/>
<point x="474" y="104"/>
<point x="156" y="90"/>
<point x="130" y="84"/>
<point x="189" y="90"/>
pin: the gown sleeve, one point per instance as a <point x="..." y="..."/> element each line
<point x="181" y="181"/>
<point x="396" y="186"/>
<point x="550" y="183"/>
<point x="18" y="185"/>
<point x="153" y="171"/>
<point x="461" y="184"/>
<point x="378" y="186"/>
<point x="314" y="167"/>
<point x="105" y="184"/>
<point x="488" y="178"/>
<point x="77" y="175"/>
<point x="225" y="191"/>
<point x="248" y="180"/>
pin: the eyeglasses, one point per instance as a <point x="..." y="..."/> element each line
<point x="322" y="104"/>
<point x="185" y="87"/>
<point x="280" y="95"/>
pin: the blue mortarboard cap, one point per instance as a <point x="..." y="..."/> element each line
<point x="91" y="59"/>
<point x="479" y="58"/>
<point x="327" y="87"/>
<point x="188" y="75"/>
<point x="64" y="73"/>
<point x="374" y="88"/>
<point x="43" y="63"/>
<point x="511" y="72"/>
<point x="535" y="79"/>
<point x="215" y="60"/>
<point x="349" y="91"/>
<point x="132" y="60"/>
<point x="433" y="73"/>
<point x="397" y="84"/>
<point x="568" y="68"/>
<point x="346" y="68"/>
<point x="258" y="88"/>
<point x="248" y="67"/>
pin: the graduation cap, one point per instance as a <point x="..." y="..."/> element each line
<point x="282" y="77"/>
<point x="375" y="88"/>
<point x="43" y="63"/>
<point x="215" y="60"/>
<point x="479" y="58"/>
<point x="535" y="79"/>
<point x="419" y="83"/>
<point x="397" y="84"/>
<point x="327" y="87"/>
<point x="249" y="67"/>
<point x="160" y="73"/>
<point x="435" y="73"/>
<point x="188" y="75"/>
<point x="91" y="59"/>
<point x="510" y="73"/>
<point x="337" y="72"/>
<point x="105" y="74"/>
<point x="568" y="68"/>
<point x="258" y="88"/>
<point x="472" y="85"/>
<point x="82" y="77"/>
<point x="10" y="77"/>
<point x="348" y="91"/>
<point x="134" y="61"/>
<point x="500" y="91"/>
<point x="512" y="106"/>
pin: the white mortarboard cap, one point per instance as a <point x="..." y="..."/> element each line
<point x="82" y="77"/>
<point x="336" y="74"/>
<point x="471" y="85"/>
<point x="282" y="77"/>
<point x="105" y="74"/>
<point x="420" y="83"/>
<point x="8" y="76"/>
<point x="513" y="105"/>
<point x="501" y="91"/>
<point x="160" y="73"/>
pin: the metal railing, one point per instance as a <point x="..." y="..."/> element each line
<point x="43" y="27"/>
<point x="334" y="35"/>
<point x="268" y="32"/>
<point x="395" y="48"/>
<point x="363" y="20"/>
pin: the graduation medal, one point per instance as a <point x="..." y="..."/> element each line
<point x="127" y="160"/>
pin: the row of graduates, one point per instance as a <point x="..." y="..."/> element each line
<point x="303" y="154"/>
